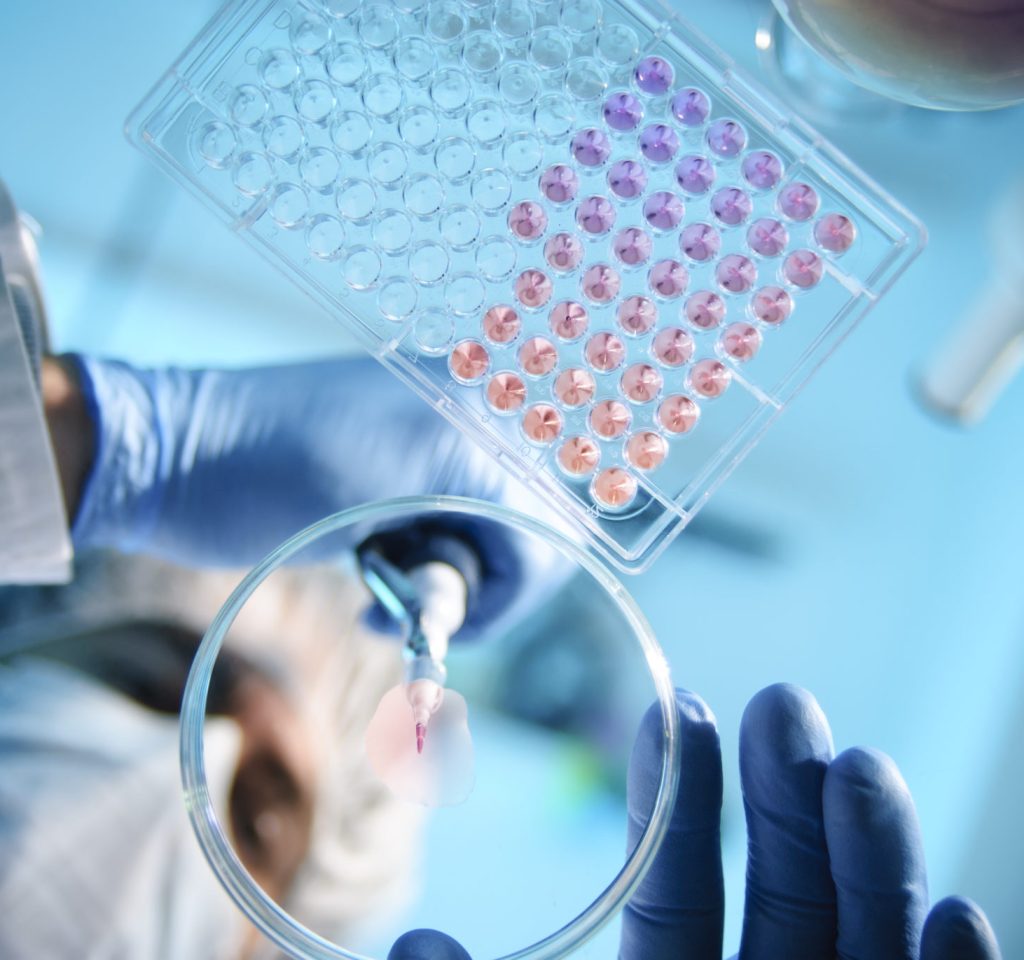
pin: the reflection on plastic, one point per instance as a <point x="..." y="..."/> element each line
<point x="443" y="774"/>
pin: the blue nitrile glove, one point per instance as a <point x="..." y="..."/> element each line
<point x="835" y="866"/>
<point x="216" y="468"/>
<point x="834" y="860"/>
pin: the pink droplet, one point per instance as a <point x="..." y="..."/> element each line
<point x="690" y="107"/>
<point x="835" y="232"/>
<point x="605" y="352"/>
<point x="802" y="268"/>
<point x="591" y="147"/>
<point x="654" y="76"/>
<point x="614" y="488"/>
<point x="501" y="324"/>
<point x="672" y="347"/>
<point x="563" y="252"/>
<point x="632" y="246"/>
<point x="542" y="423"/>
<point x="627" y="179"/>
<point x="623" y="112"/>
<point x="771" y="305"/>
<point x="767" y="236"/>
<point x="741" y="341"/>
<point x="700" y="242"/>
<point x="574" y="387"/>
<point x="664" y="210"/>
<point x="601" y="283"/>
<point x="559" y="183"/>
<point x="695" y="175"/>
<point x="641" y="383"/>
<point x="798" y="201"/>
<point x="506" y="392"/>
<point x="538" y="356"/>
<point x="704" y="310"/>
<point x="637" y="315"/>
<point x="762" y="169"/>
<point x="595" y="215"/>
<point x="527" y="220"/>
<point x="579" y="456"/>
<point x="610" y="419"/>
<point x="469" y="361"/>
<point x="659" y="143"/>
<point x="726" y="138"/>
<point x="646" y="450"/>
<point x="533" y="288"/>
<point x="736" y="273"/>
<point x="668" y="279"/>
<point x="731" y="206"/>
<point x="678" y="414"/>
<point x="709" y="378"/>
<point x="568" y="320"/>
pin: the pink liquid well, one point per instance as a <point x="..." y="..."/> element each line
<point x="527" y="220"/>
<point x="761" y="169"/>
<point x="798" y="201"/>
<point x="563" y="252"/>
<point x="542" y="423"/>
<point x="664" y="210"/>
<point x="574" y="387"/>
<point x="678" y="414"/>
<point x="579" y="456"/>
<point x="605" y="352"/>
<point x="736" y="273"/>
<point x="538" y="356"/>
<point x="710" y="378"/>
<point x="700" y="242"/>
<point x="646" y="450"/>
<point x="506" y="392"/>
<point x="641" y="383"/>
<point x="632" y="246"/>
<point x="627" y="179"/>
<point x="591" y="147"/>
<point x="533" y="289"/>
<point x="672" y="347"/>
<point x="501" y="324"/>
<point x="741" y="341"/>
<point x="637" y="315"/>
<point x="704" y="310"/>
<point x="469" y="361"/>
<point x="668" y="279"/>
<point x="595" y="215"/>
<point x="803" y="268"/>
<point x="835" y="232"/>
<point x="568" y="320"/>
<point x="559" y="183"/>
<point x="731" y="206"/>
<point x="610" y="419"/>
<point x="614" y="488"/>
<point x="767" y="237"/>
<point x="771" y="305"/>
<point x="601" y="283"/>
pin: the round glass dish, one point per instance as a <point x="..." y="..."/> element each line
<point x="351" y="526"/>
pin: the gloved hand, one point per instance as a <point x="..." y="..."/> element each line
<point x="216" y="468"/>
<point x="834" y="860"/>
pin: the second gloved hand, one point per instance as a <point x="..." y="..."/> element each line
<point x="216" y="468"/>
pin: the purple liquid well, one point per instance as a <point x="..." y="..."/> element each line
<point x="726" y="138"/>
<point x="664" y="210"/>
<point x="623" y="112"/>
<point x="767" y="237"/>
<point x="690" y="107"/>
<point x="694" y="175"/>
<point x="595" y="215"/>
<point x="627" y="179"/>
<point x="659" y="143"/>
<point x="654" y="76"/>
<point x="559" y="183"/>
<point x="700" y="242"/>
<point x="591" y="147"/>
<point x="731" y="206"/>
<point x="762" y="170"/>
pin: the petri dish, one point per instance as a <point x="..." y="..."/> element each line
<point x="546" y="783"/>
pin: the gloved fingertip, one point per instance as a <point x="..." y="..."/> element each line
<point x="427" y="945"/>
<point x="957" y="929"/>
<point x="863" y="784"/>
<point x="786" y="722"/>
<point x="701" y="757"/>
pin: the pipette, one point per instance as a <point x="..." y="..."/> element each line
<point x="429" y="603"/>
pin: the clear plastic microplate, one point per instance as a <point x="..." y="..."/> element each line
<point x="571" y="226"/>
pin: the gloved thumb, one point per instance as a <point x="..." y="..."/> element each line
<point x="427" y="945"/>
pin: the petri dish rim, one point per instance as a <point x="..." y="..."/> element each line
<point x="275" y="922"/>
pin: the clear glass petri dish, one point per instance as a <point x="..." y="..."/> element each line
<point x="205" y="807"/>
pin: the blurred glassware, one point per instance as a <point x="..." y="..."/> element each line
<point x="941" y="54"/>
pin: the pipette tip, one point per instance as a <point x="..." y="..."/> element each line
<point x="421" y="735"/>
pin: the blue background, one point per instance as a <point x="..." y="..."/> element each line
<point x="864" y="550"/>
